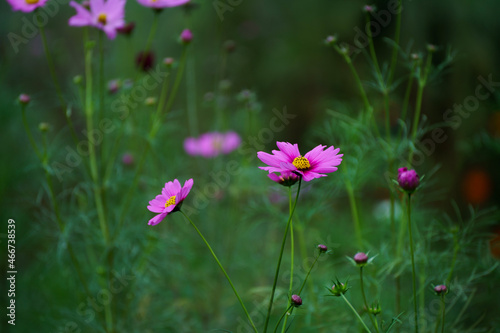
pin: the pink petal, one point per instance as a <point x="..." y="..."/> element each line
<point x="157" y="219"/>
<point x="82" y="17"/>
<point x="288" y="149"/>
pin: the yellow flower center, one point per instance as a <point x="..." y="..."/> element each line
<point x="31" y="2"/>
<point x="301" y="163"/>
<point x="170" y="201"/>
<point x="101" y="19"/>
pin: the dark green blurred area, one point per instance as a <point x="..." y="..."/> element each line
<point x="281" y="56"/>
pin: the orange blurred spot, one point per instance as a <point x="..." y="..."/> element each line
<point x="476" y="186"/>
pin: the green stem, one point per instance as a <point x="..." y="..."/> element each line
<point x="223" y="271"/>
<point x="443" y="305"/>
<point x="406" y="98"/>
<point x="356" y="313"/>
<point x="354" y="212"/>
<point x="395" y="50"/>
<point x="281" y="318"/>
<point x="412" y="265"/>
<point x="356" y="77"/>
<point x="51" y="65"/>
<point x="292" y="250"/>
<point x="370" y="315"/>
<point x="178" y="79"/>
<point x="191" y="95"/>
<point x="456" y="248"/>
<point x="268" y="316"/>
<point x="89" y="112"/>
<point x="308" y="273"/>
<point x="28" y="132"/>
<point x="372" y="52"/>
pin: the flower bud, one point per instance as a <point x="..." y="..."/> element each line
<point x="322" y="248"/>
<point x="145" y="60"/>
<point x="375" y="309"/>
<point x="330" y="40"/>
<point x="186" y="36"/>
<point x="43" y="127"/>
<point x="113" y="86"/>
<point x="229" y="46"/>
<point x="408" y="180"/>
<point x="128" y="159"/>
<point x="360" y="258"/>
<point x="168" y="62"/>
<point x="24" y="99"/>
<point x="369" y="9"/>
<point x="296" y="300"/>
<point x="127" y="29"/>
<point x="286" y="178"/>
<point x="440" y="290"/>
<point x="431" y="48"/>
<point x="339" y="289"/>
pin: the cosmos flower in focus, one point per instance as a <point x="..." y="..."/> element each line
<point x="313" y="164"/>
<point x="158" y="4"/>
<point x="26" y="5"/>
<point x="170" y="200"/>
<point x="212" y="144"/>
<point x="107" y="16"/>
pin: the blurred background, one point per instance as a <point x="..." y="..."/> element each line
<point x="277" y="55"/>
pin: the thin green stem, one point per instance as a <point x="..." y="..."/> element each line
<point x="443" y="312"/>
<point x="51" y="65"/>
<point x="191" y="95"/>
<point x="28" y="132"/>
<point x="308" y="273"/>
<point x="406" y="98"/>
<point x="370" y="315"/>
<point x="395" y="50"/>
<point x="456" y="248"/>
<point x="152" y="33"/>
<point x="356" y="77"/>
<point x="178" y="78"/>
<point x="412" y="265"/>
<point x="354" y="212"/>
<point x="356" y="313"/>
<point x="281" y="318"/>
<point x="223" y="271"/>
<point x="373" y="54"/>
<point x="292" y="250"/>
<point x="268" y="316"/>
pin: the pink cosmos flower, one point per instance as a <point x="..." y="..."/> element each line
<point x="170" y="200"/>
<point x="212" y="144"/>
<point x="26" y="5"/>
<point x="107" y="16"/>
<point x="313" y="164"/>
<point x="162" y="3"/>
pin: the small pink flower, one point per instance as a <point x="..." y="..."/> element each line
<point x="26" y="5"/>
<point x="162" y="3"/>
<point x="313" y="164"/>
<point x="186" y="36"/>
<point x="212" y="144"/>
<point x="107" y="16"/>
<point x="170" y="200"/>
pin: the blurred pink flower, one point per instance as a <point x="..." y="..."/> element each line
<point x="162" y="3"/>
<point x="107" y="16"/>
<point x="313" y="164"/>
<point x="26" y="5"/>
<point x="170" y="200"/>
<point x="212" y="144"/>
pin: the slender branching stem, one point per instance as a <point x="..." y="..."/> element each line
<point x="415" y="308"/>
<point x="356" y="313"/>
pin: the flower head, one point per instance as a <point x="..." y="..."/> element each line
<point x="322" y="248"/>
<point x="158" y="4"/>
<point x="26" y="5"/>
<point x="186" y="36"/>
<point x="212" y="144"/>
<point x="440" y="290"/>
<point x="296" y="300"/>
<point x="170" y="200"/>
<point x="313" y="164"/>
<point x="24" y="99"/>
<point x="408" y="180"/>
<point x="107" y="16"/>
<point x="360" y="258"/>
<point x="286" y="178"/>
